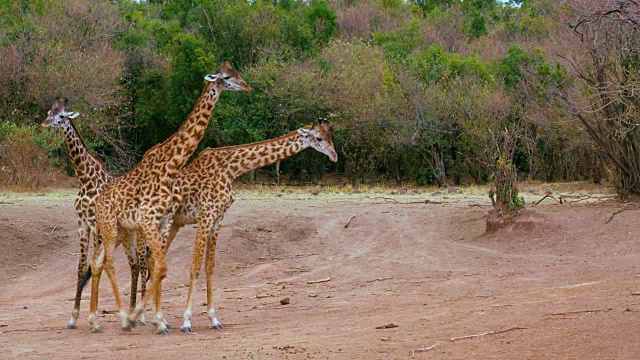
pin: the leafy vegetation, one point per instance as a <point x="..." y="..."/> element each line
<point x="416" y="91"/>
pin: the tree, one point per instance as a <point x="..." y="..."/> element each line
<point x="606" y="97"/>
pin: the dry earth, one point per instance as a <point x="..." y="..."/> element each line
<point x="562" y="277"/>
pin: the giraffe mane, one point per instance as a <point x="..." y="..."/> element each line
<point x="235" y="147"/>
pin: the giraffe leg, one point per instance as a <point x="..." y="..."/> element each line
<point x="128" y="241"/>
<point x="84" y="232"/>
<point x="141" y="250"/>
<point x="209" y="266"/>
<point x="109" y="243"/>
<point x="201" y="241"/>
<point x="97" y="263"/>
<point x="158" y="272"/>
<point x="167" y="238"/>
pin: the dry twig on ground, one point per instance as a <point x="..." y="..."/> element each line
<point x="488" y="333"/>
<point x="319" y="281"/>
<point x="387" y="326"/>
<point x="579" y="311"/>
<point x="618" y="211"/>
<point x="548" y="194"/>
<point x="423" y="349"/>
<point x="346" y="225"/>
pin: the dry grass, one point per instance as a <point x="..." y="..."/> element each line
<point x="528" y="189"/>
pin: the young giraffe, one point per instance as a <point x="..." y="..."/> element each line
<point x="140" y="199"/>
<point x="205" y="187"/>
<point x="93" y="177"/>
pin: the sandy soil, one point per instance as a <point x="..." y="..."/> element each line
<point x="561" y="276"/>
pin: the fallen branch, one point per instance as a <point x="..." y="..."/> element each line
<point x="423" y="349"/>
<point x="387" y="326"/>
<point x="488" y="333"/>
<point x="31" y="266"/>
<point x="579" y="312"/>
<point x="393" y="201"/>
<point x="423" y="202"/>
<point x="550" y="195"/>
<point x="346" y="225"/>
<point x="67" y="253"/>
<point x="618" y="212"/>
<point x="579" y="198"/>
<point x="28" y="330"/>
<point x="302" y="255"/>
<point x="380" y="279"/>
<point x="54" y="229"/>
<point x="319" y="281"/>
<point x="479" y="205"/>
<point x="3" y="325"/>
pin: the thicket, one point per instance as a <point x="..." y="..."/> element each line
<point x="421" y="91"/>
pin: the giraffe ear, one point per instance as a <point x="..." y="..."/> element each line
<point x="303" y="132"/>
<point x="73" y="115"/>
<point x="211" y="77"/>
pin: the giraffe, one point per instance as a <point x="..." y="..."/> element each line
<point x="93" y="178"/>
<point x="140" y="199"/>
<point x="205" y="188"/>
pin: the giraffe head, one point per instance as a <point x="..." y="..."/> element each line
<point x="58" y="117"/>
<point x="318" y="137"/>
<point x="227" y="79"/>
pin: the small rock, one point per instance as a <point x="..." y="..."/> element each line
<point x="25" y="307"/>
<point x="385" y="338"/>
<point x="285" y="301"/>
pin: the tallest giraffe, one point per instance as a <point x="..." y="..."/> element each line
<point x="139" y="200"/>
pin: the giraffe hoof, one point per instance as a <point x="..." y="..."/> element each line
<point x="133" y="323"/>
<point x="97" y="330"/>
<point x="185" y="329"/>
<point x="163" y="332"/>
<point x="71" y="326"/>
<point x="167" y="325"/>
<point x="217" y="326"/>
<point x="126" y="329"/>
<point x="141" y="323"/>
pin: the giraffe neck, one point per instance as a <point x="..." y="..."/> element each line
<point x="78" y="152"/>
<point x="183" y="143"/>
<point x="244" y="158"/>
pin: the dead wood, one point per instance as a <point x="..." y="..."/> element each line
<point x="387" y="326"/>
<point x="319" y="281"/>
<point x="548" y="194"/>
<point x="579" y="311"/>
<point x="27" y="330"/>
<point x="423" y="349"/>
<point x="346" y="225"/>
<point x="618" y="212"/>
<point x="488" y="333"/>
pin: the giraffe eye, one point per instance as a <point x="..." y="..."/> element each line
<point x="227" y="77"/>
<point x="319" y="139"/>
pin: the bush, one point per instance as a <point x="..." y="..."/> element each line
<point x="24" y="157"/>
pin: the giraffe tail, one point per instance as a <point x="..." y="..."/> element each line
<point x="83" y="282"/>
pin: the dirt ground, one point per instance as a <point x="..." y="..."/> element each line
<point x="562" y="281"/>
